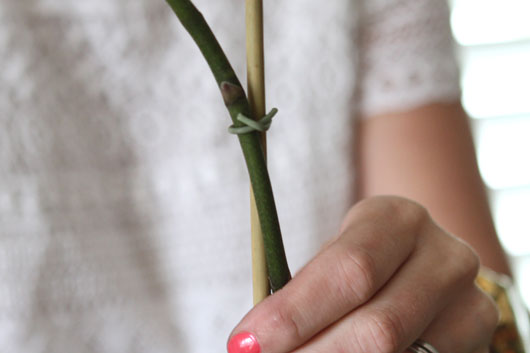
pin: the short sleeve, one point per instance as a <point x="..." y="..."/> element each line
<point x="407" y="55"/>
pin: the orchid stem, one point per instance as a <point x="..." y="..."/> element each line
<point x="237" y="103"/>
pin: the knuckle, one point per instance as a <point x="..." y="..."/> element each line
<point x="356" y="272"/>
<point x="481" y="316"/>
<point x="285" y="317"/>
<point x="394" y="208"/>
<point x="385" y="331"/>
<point x="468" y="263"/>
<point x="411" y="212"/>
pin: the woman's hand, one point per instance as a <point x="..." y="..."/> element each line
<point x="391" y="277"/>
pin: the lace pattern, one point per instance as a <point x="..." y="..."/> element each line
<point x="124" y="201"/>
<point x="407" y="55"/>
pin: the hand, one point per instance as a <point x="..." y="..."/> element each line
<point x="391" y="277"/>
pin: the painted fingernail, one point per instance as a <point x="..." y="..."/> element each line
<point x="243" y="342"/>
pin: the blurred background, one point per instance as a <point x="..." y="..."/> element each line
<point x="493" y="38"/>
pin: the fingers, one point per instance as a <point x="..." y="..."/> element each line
<point x="342" y="277"/>
<point x="466" y="325"/>
<point x="404" y="308"/>
<point x="384" y="282"/>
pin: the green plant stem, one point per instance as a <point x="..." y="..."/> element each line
<point x="237" y="102"/>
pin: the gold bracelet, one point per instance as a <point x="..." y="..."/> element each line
<point x="513" y="321"/>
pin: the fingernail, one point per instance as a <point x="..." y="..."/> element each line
<point x="243" y="342"/>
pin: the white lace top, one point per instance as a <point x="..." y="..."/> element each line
<point x="123" y="200"/>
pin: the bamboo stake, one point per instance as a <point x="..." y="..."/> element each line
<point x="256" y="97"/>
<point x="237" y="103"/>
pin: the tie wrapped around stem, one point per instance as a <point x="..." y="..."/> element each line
<point x="237" y="103"/>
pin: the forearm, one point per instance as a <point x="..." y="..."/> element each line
<point x="427" y="155"/>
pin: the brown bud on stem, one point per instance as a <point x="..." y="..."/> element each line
<point x="231" y="93"/>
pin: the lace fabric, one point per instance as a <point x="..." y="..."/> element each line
<point x="124" y="201"/>
<point x="407" y="55"/>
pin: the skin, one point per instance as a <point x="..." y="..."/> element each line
<point x="395" y="272"/>
<point x="427" y="155"/>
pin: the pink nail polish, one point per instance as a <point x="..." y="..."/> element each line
<point x="243" y="342"/>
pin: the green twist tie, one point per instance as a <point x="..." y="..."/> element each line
<point x="261" y="125"/>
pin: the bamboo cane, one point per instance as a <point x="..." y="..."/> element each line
<point x="256" y="97"/>
<point x="237" y="103"/>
